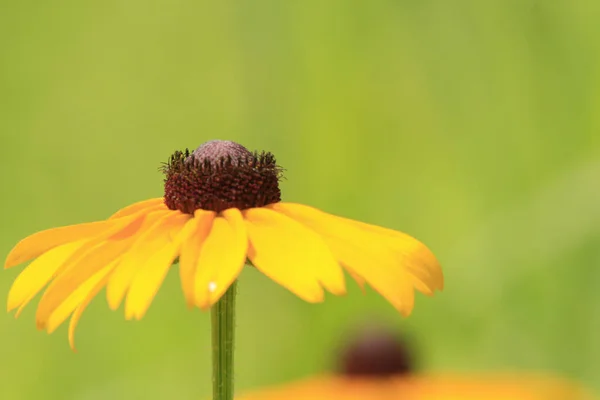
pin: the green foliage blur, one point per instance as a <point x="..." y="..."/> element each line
<point x="472" y="125"/>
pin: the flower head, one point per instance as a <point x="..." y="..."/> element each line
<point x="220" y="175"/>
<point x="221" y="207"/>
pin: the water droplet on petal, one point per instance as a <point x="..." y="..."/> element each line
<point x="212" y="287"/>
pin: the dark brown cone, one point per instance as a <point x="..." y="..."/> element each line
<point x="376" y="353"/>
<point x="219" y="175"/>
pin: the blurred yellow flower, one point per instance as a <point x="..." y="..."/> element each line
<point x="378" y="364"/>
<point x="423" y="387"/>
<point x="221" y="207"/>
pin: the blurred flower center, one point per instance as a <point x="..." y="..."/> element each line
<point x="219" y="175"/>
<point x="376" y="353"/>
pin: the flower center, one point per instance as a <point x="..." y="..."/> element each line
<point x="219" y="175"/>
<point x="376" y="353"/>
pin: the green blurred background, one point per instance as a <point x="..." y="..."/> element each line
<point x="472" y="125"/>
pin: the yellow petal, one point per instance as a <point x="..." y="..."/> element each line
<point x="146" y="205"/>
<point x="292" y="255"/>
<point x="421" y="262"/>
<point x="76" y="297"/>
<point x="88" y="259"/>
<point x="362" y="252"/>
<point x="153" y="236"/>
<point x="82" y="306"/>
<point x="37" y="274"/>
<point x="222" y="257"/>
<point x="121" y="229"/>
<point x="40" y="242"/>
<point x="147" y="281"/>
<point x="85" y="248"/>
<point x="190" y="251"/>
<point x="136" y="225"/>
<point x="96" y="259"/>
<point x="359" y="280"/>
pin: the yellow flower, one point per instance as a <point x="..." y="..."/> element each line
<point x="221" y="206"/>
<point x="426" y="387"/>
<point x="378" y="364"/>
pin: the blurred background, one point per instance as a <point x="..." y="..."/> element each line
<point x="472" y="125"/>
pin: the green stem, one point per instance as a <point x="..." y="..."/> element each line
<point x="223" y="328"/>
